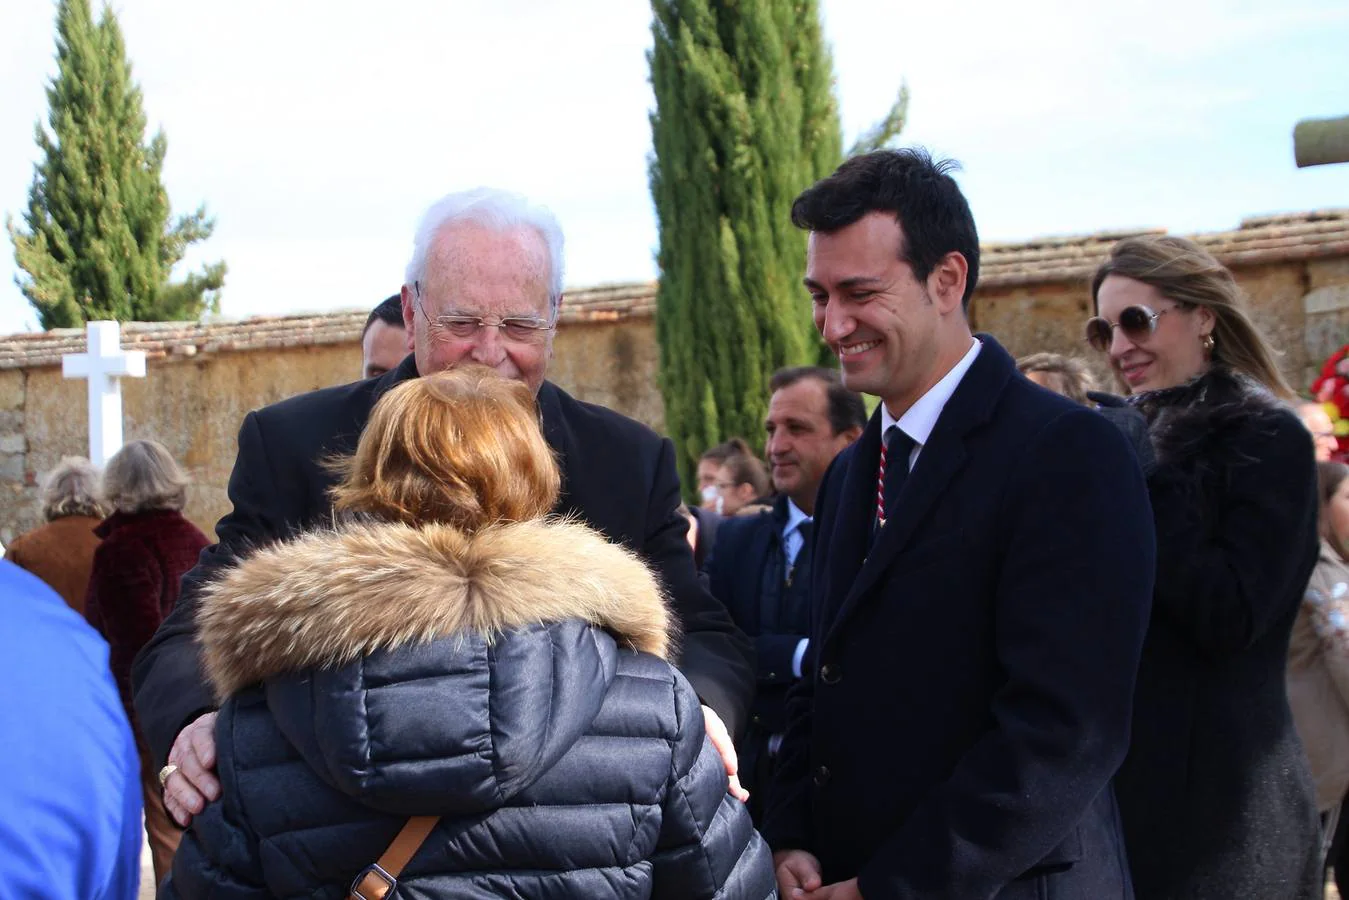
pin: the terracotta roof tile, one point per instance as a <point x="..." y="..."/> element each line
<point x="1260" y="239"/>
<point x="162" y="340"/>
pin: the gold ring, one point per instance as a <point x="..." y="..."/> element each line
<point x="165" y="772"/>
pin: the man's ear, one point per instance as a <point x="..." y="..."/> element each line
<point x="946" y="283"/>
<point x="409" y="319"/>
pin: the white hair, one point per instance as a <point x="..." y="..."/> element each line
<point x="495" y="209"/>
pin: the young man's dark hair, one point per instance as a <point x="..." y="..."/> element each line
<point x="846" y="409"/>
<point x="389" y="311"/>
<point x="921" y="193"/>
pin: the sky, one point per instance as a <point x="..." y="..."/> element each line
<point x="317" y="132"/>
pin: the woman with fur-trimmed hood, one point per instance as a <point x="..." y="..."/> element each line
<point x="447" y="651"/>
<point x="1215" y="793"/>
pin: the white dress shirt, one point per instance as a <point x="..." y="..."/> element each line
<point x="791" y="532"/>
<point x="919" y="420"/>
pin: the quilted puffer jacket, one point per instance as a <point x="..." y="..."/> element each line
<point x="512" y="682"/>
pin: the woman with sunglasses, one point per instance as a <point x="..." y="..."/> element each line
<point x="1216" y="796"/>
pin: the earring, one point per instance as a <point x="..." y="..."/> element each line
<point x="1208" y="343"/>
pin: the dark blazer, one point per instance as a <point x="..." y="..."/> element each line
<point x="976" y="668"/>
<point x="1216" y="793"/>
<point x="618" y="476"/>
<point x="748" y="572"/>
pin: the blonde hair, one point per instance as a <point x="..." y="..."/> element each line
<point x="462" y="447"/>
<point x="1191" y="276"/>
<point x="143" y="476"/>
<point x="1070" y="375"/>
<point x="72" y="489"/>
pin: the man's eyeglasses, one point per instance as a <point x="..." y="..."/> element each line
<point x="1137" y="322"/>
<point x="516" y="329"/>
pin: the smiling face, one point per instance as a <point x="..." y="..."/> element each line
<point x="478" y="271"/>
<point x="894" y="336"/>
<point x="1172" y="354"/>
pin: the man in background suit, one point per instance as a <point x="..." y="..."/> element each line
<point x="485" y="286"/>
<point x="760" y="563"/>
<point x="981" y="589"/>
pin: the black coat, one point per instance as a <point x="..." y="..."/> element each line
<point x="1216" y="794"/>
<point x="618" y="476"/>
<point x="748" y="572"/>
<point x="975" y="671"/>
<point x="509" y="682"/>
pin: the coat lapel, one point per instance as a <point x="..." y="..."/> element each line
<point x="555" y="433"/>
<point x="941" y="459"/>
<point x="837" y="565"/>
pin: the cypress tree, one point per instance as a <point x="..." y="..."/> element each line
<point x="745" y="119"/>
<point x="99" y="243"/>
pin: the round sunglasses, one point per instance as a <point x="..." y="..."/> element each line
<point x="1137" y="322"/>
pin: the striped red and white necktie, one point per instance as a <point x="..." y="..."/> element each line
<point x="880" y="483"/>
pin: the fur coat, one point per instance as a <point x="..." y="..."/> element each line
<point x="513" y="682"/>
<point x="133" y="585"/>
<point x="1215" y="793"/>
<point x="61" y="553"/>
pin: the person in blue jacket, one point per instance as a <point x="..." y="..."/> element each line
<point x="70" y="791"/>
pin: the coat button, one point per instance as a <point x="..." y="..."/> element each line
<point x="822" y="776"/>
<point x="830" y="673"/>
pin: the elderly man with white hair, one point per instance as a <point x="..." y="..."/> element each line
<point x="484" y="286"/>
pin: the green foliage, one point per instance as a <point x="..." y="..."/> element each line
<point x="99" y="243"/>
<point x="745" y="119"/>
<point x="883" y="132"/>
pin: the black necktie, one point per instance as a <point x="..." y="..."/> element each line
<point x="898" y="447"/>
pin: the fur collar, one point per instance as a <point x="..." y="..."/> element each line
<point x="1200" y="418"/>
<point x="327" y="598"/>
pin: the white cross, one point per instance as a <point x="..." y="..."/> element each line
<point x="103" y="365"/>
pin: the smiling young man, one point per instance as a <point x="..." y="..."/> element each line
<point x="984" y="566"/>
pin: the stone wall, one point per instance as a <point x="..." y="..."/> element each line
<point x="615" y="364"/>
<point x="203" y="379"/>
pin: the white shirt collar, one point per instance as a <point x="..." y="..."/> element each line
<point x="794" y="517"/>
<point x="921" y="418"/>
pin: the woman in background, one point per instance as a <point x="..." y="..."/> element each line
<point x="61" y="550"/>
<point x="1215" y="793"/>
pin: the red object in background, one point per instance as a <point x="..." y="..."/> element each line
<point x="1331" y="388"/>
